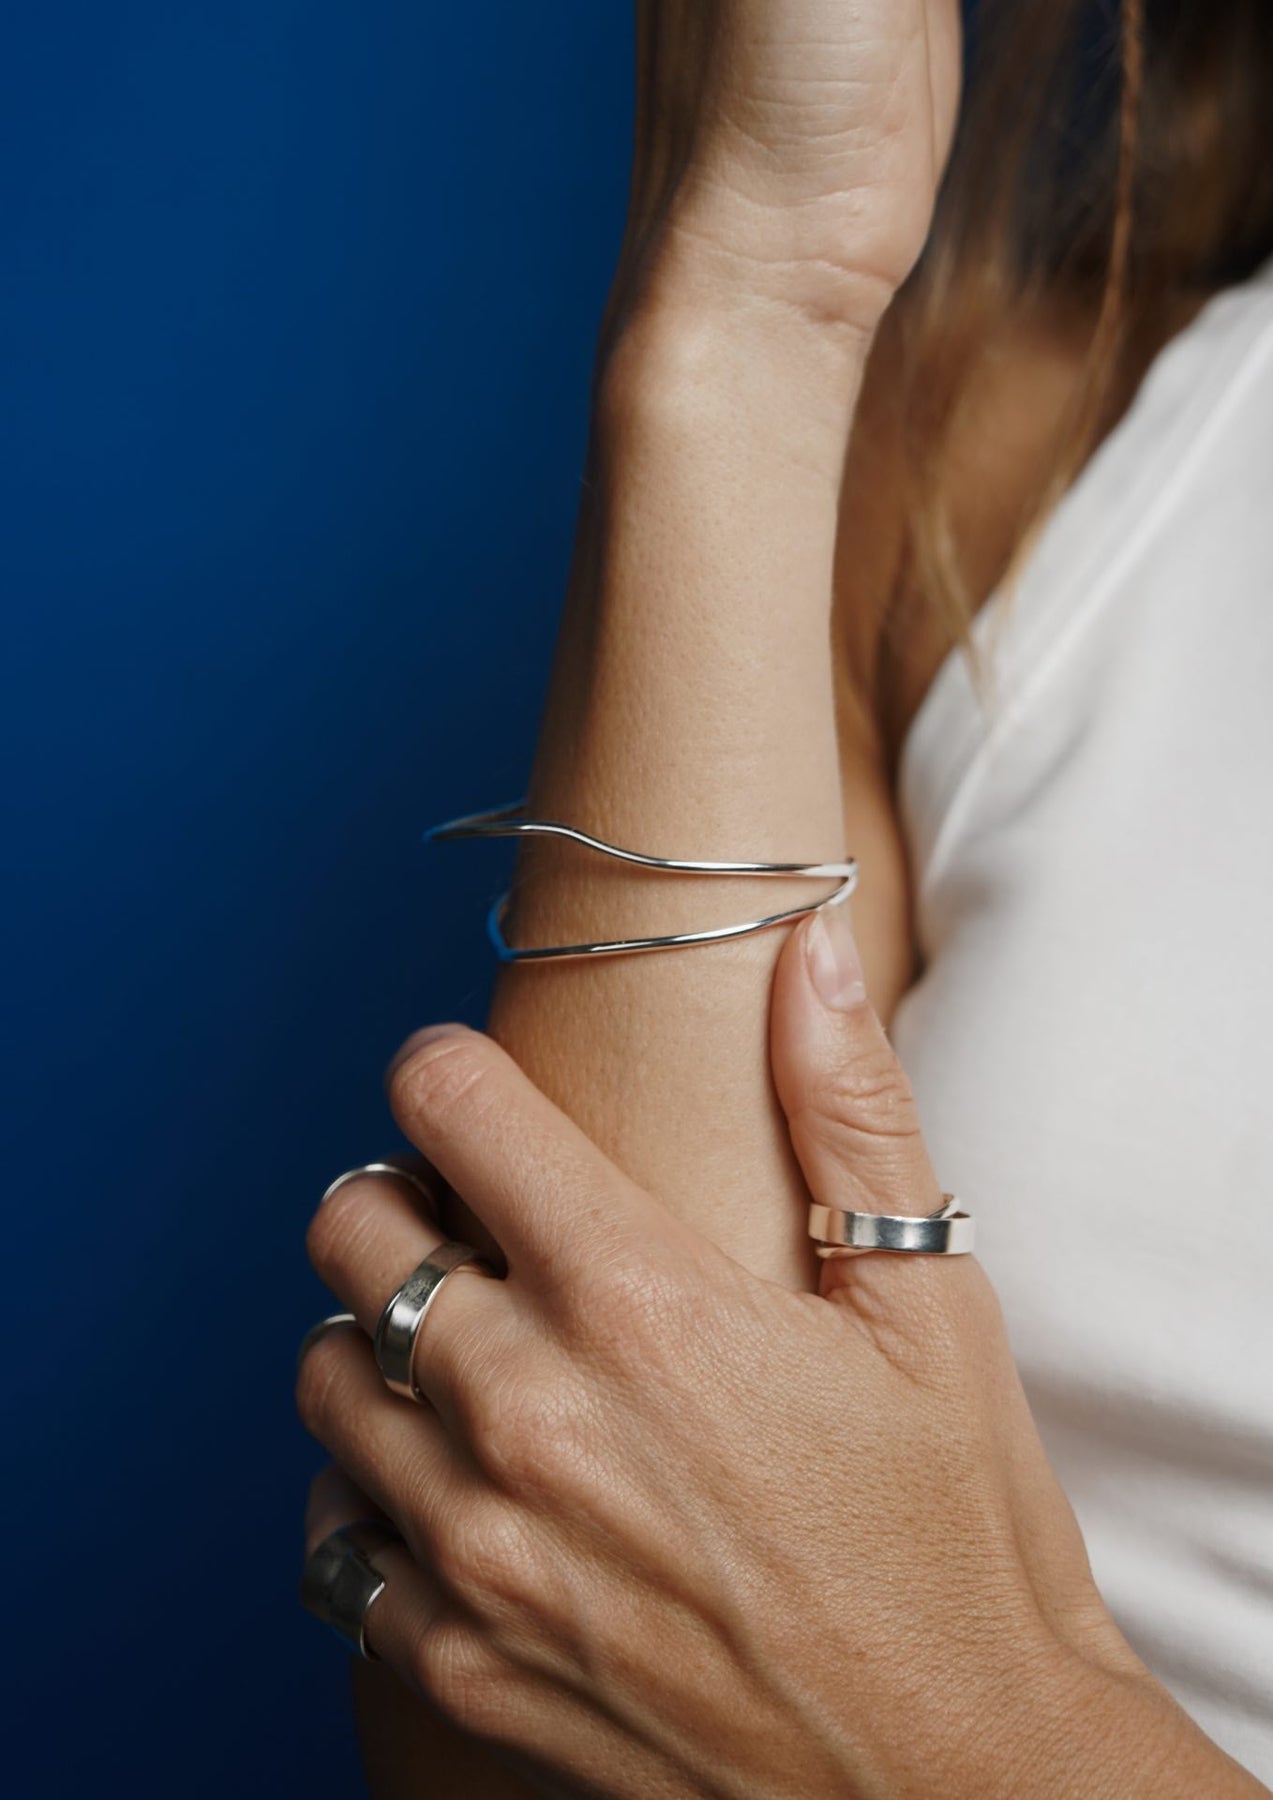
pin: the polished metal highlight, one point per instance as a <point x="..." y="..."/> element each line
<point x="332" y="1322"/>
<point x="946" y="1232"/>
<point x="510" y="821"/>
<point x="340" y="1583"/>
<point x="384" y="1171"/>
<point x="405" y="1312"/>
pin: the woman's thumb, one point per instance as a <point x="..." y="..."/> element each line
<point x="856" y="1133"/>
<point x="849" y="1106"/>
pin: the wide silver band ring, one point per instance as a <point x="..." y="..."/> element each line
<point x="946" y="1232"/>
<point x="404" y="1314"/>
<point x="340" y="1583"/>
<point x="384" y="1171"/>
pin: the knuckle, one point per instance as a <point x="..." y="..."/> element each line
<point x="634" y="1309"/>
<point x="869" y="1096"/>
<point x="483" y="1557"/>
<point x="458" y="1672"/>
<point x="523" y="1432"/>
<point x="437" y="1077"/>
<point x="467" y="1355"/>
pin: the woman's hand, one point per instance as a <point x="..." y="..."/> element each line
<point x="675" y="1529"/>
<point x="791" y="151"/>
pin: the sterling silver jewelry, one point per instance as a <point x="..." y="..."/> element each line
<point x="333" y="1322"/>
<point x="510" y="821"/>
<point x="384" y="1171"/>
<point x="341" y="1584"/>
<point x="946" y="1232"/>
<point x="404" y="1313"/>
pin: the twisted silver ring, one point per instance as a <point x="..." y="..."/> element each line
<point x="946" y="1232"/>
<point x="399" y="1324"/>
<point x="340" y="1583"/>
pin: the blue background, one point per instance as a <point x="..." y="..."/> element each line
<point x="297" y="317"/>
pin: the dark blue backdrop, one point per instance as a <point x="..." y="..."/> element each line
<point x="297" y="316"/>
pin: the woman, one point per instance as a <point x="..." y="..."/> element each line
<point x="679" y="1521"/>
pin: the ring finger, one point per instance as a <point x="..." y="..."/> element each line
<point x="396" y="1620"/>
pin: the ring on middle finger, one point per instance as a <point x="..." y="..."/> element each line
<point x="399" y="1324"/>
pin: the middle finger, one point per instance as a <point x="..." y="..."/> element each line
<point x="365" y="1240"/>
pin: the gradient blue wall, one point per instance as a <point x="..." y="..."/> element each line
<point x="297" y="320"/>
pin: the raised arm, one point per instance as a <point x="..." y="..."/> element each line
<point x="693" y="709"/>
<point x="786" y="164"/>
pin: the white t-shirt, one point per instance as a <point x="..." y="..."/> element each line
<point x="1092" y="1040"/>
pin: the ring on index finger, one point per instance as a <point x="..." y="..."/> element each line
<point x="389" y="1171"/>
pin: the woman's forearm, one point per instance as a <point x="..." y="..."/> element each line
<point x="691" y="713"/>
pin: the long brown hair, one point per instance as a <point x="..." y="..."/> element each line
<point x="1113" y="160"/>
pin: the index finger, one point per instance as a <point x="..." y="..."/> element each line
<point x="546" y="1193"/>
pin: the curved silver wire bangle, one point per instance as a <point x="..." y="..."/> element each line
<point x="509" y="821"/>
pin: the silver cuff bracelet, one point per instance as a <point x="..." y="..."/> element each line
<point x="510" y="821"/>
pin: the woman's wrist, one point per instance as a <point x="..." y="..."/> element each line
<point x="694" y="260"/>
<point x="701" y="353"/>
<point x="1126" y="1737"/>
<point x="1065" y="1725"/>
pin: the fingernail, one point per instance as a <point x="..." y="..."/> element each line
<point x="835" y="968"/>
<point x="418" y="1039"/>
